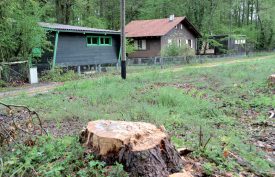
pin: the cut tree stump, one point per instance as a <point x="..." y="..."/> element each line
<point x="271" y="80"/>
<point x="142" y="148"/>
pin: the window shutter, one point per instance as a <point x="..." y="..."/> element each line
<point x="143" y="44"/>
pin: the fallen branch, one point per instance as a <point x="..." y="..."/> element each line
<point x="9" y="106"/>
<point x="16" y="128"/>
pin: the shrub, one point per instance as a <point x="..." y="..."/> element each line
<point x="173" y="50"/>
<point x="3" y="83"/>
<point x="59" y="75"/>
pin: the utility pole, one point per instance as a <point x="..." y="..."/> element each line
<point x="123" y="39"/>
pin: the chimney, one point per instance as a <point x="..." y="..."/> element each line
<point x="171" y="18"/>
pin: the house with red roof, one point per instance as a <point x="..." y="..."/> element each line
<point x="151" y="36"/>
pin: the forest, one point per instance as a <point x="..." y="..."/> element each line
<point x="20" y="33"/>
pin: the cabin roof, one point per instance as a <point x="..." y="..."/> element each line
<point x="70" y="28"/>
<point x="157" y="27"/>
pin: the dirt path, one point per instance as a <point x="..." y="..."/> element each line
<point x="30" y="90"/>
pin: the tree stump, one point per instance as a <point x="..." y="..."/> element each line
<point x="142" y="148"/>
<point x="271" y="80"/>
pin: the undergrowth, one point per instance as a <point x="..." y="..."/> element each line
<point x="59" y="75"/>
<point x="53" y="158"/>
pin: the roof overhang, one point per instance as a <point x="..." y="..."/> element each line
<point x="82" y="32"/>
<point x="75" y="29"/>
<point x="192" y="28"/>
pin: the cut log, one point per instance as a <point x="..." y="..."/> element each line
<point x="142" y="148"/>
<point x="271" y="80"/>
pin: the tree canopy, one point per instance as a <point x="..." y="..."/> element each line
<point x="20" y="33"/>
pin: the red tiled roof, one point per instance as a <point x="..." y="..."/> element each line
<point x="156" y="27"/>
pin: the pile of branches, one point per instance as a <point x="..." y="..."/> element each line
<point x="19" y="126"/>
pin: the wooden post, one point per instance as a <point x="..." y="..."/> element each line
<point x="123" y="40"/>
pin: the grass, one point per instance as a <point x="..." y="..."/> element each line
<point x="214" y="97"/>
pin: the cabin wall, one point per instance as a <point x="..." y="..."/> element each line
<point x="176" y="34"/>
<point x="153" y="48"/>
<point x="72" y="50"/>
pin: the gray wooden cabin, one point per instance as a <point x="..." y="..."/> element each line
<point x="76" y="46"/>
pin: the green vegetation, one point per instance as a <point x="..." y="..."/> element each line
<point x="59" y="75"/>
<point x="213" y="99"/>
<point x="174" y="50"/>
<point x="20" y="33"/>
<point x="51" y="157"/>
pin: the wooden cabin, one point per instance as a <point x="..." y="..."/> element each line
<point x="151" y="36"/>
<point x="236" y="44"/>
<point x="76" y="46"/>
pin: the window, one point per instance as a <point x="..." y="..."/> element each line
<point x="240" y="41"/>
<point x="105" y="41"/>
<point x="181" y="26"/>
<point x="140" y="44"/>
<point x="179" y="42"/>
<point x="169" y="41"/>
<point x="176" y="26"/>
<point x="99" y="41"/>
<point x="189" y="42"/>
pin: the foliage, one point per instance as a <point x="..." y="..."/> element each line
<point x="130" y="47"/>
<point x="20" y="33"/>
<point x="59" y="75"/>
<point x="3" y="83"/>
<point x="19" y="30"/>
<point x="55" y="157"/>
<point x="174" y="50"/>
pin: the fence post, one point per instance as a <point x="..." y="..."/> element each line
<point x="78" y="70"/>
<point x="99" y="68"/>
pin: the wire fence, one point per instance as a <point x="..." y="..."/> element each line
<point x="14" y="72"/>
<point x="163" y="61"/>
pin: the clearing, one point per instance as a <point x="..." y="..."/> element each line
<point x="218" y="110"/>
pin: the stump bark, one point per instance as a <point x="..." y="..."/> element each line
<point x="271" y="80"/>
<point x="142" y="148"/>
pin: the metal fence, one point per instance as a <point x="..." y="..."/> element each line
<point x="14" y="71"/>
<point x="162" y="61"/>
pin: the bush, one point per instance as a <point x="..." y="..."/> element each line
<point x="59" y="75"/>
<point x="3" y="83"/>
<point x="173" y="50"/>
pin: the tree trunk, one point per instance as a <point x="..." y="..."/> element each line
<point x="142" y="148"/>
